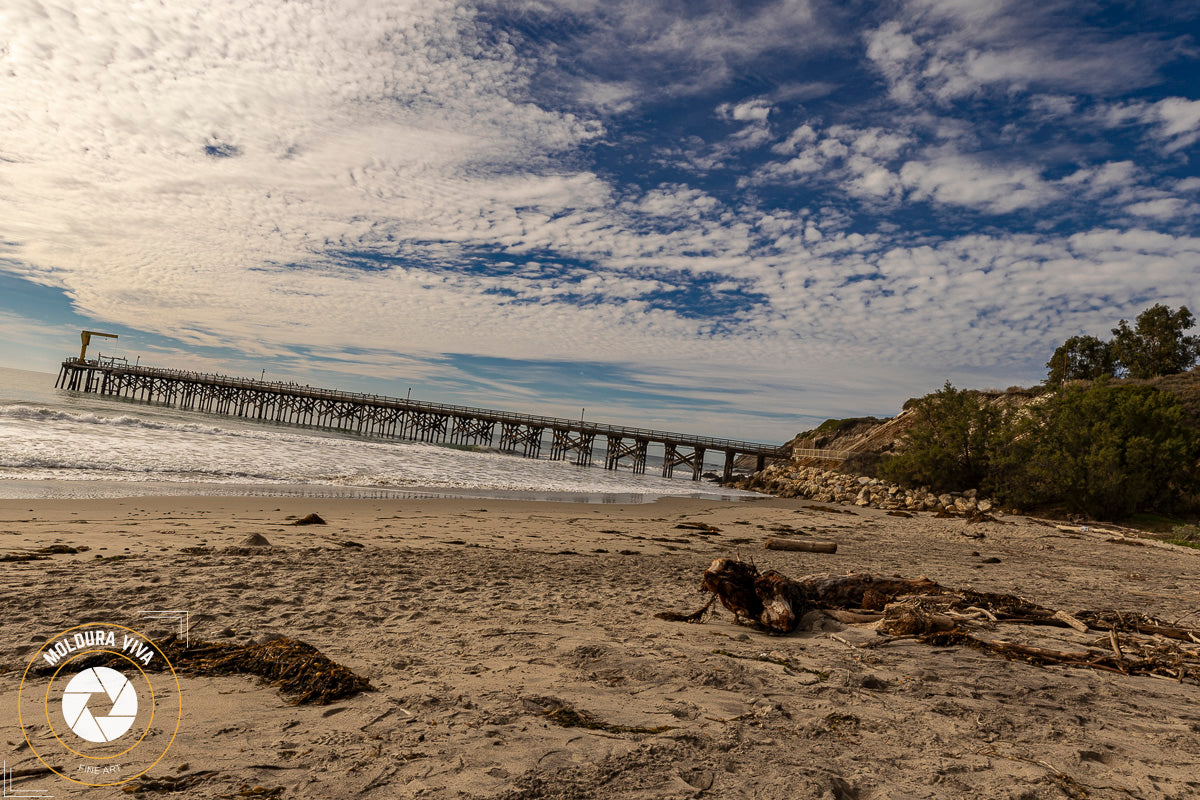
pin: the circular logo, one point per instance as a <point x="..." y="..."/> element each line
<point x="77" y="706"/>
<point x="99" y="704"/>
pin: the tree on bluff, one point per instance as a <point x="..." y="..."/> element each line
<point x="1081" y="358"/>
<point x="1156" y="345"/>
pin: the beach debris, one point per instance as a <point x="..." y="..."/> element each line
<point x="56" y="549"/>
<point x="255" y="540"/>
<point x="830" y="510"/>
<point x="23" y="557"/>
<point x="174" y="784"/>
<point x="1063" y="616"/>
<point x="296" y="668"/>
<point x="562" y="713"/>
<point x="44" y="553"/>
<point x="703" y="527"/>
<point x="311" y="519"/>
<point x="774" y="543"/>
<point x="920" y="609"/>
<point x="169" y="783"/>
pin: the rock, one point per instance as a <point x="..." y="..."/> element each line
<point x="255" y="540"/>
<point x="984" y="505"/>
<point x="311" y="519"/>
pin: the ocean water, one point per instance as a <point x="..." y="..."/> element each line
<point x="55" y="443"/>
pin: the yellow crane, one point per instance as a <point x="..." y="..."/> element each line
<point x="86" y="337"/>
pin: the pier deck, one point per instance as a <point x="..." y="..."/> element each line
<point x="397" y="418"/>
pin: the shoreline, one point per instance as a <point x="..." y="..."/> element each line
<point x="51" y="489"/>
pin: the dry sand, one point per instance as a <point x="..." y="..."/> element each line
<point x="472" y="618"/>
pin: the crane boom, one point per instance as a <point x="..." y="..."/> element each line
<point x="86" y="337"/>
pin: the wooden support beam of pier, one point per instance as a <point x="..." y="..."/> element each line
<point x="428" y="427"/>
<point x="635" y="450"/>
<point x="527" y="438"/>
<point x="471" y="430"/>
<point x="675" y="457"/>
<point x="568" y="441"/>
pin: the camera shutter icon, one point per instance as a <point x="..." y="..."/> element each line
<point x="97" y="689"/>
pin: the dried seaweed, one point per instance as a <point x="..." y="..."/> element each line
<point x="169" y="784"/>
<point x="298" y="669"/>
<point x="183" y="783"/>
<point x="563" y="714"/>
<point x="295" y="667"/>
<point x="23" y="557"/>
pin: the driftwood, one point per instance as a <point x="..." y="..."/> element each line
<point x="777" y="603"/>
<point x="1130" y="644"/>
<point x="774" y="543"/>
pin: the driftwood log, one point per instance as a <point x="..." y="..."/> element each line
<point x="777" y="602"/>
<point x="1131" y="644"/>
<point x="797" y="545"/>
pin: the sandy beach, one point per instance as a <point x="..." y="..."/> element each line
<point x="480" y="622"/>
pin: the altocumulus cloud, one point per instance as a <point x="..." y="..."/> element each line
<point x="823" y="208"/>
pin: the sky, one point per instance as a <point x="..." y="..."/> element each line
<point x="726" y="218"/>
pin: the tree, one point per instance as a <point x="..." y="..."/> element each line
<point x="1080" y="358"/>
<point x="1157" y="344"/>
<point x="951" y="444"/>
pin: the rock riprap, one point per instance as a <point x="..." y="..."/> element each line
<point x="827" y="486"/>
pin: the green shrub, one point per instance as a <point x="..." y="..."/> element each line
<point x="1107" y="451"/>
<point x="1186" y="533"/>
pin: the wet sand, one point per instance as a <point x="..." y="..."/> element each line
<point x="474" y="618"/>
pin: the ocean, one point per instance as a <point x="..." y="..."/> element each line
<point x="60" y="444"/>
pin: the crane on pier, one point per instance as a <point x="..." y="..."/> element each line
<point x="86" y="338"/>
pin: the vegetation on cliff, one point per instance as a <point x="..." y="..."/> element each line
<point x="1114" y="431"/>
<point x="1099" y="449"/>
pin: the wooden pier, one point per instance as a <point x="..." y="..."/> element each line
<point x="395" y="418"/>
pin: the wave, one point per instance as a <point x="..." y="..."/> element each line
<point x="22" y="467"/>
<point x="38" y="413"/>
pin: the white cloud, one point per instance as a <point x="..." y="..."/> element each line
<point x="1174" y="121"/>
<point x="945" y="50"/>
<point x="964" y="181"/>
<point x="1164" y="208"/>
<point x="674" y="49"/>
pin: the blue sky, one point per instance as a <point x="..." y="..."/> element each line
<point x="729" y="218"/>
